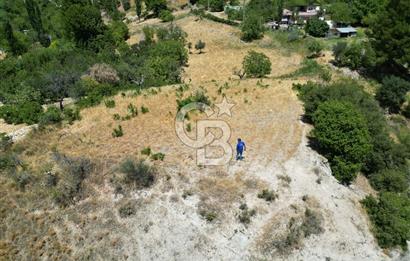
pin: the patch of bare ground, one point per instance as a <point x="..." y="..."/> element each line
<point x="166" y="221"/>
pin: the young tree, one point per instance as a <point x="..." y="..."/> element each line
<point x="59" y="84"/>
<point x="316" y="27"/>
<point x="256" y="64"/>
<point x="138" y="8"/>
<point x="392" y="93"/>
<point x="34" y="15"/>
<point x="252" y="27"/>
<point x="199" y="46"/>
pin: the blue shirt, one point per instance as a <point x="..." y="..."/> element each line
<point x="240" y="146"/>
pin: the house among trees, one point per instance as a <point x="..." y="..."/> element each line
<point x="300" y="14"/>
<point x="345" y="31"/>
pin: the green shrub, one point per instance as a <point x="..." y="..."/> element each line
<point x="117" y="132"/>
<point x="146" y="151"/>
<point x="315" y="48"/>
<point x="256" y="64"/>
<point x="268" y="195"/>
<point x="345" y="171"/>
<point x="71" y="115"/>
<point x="392" y="93"/>
<point x="199" y="46"/>
<point x="309" y="68"/>
<point x="199" y="97"/>
<point x="252" y="27"/>
<point x="132" y="110"/>
<point x="390" y="215"/>
<point x="234" y="14"/>
<point x="127" y="209"/>
<point x="390" y="180"/>
<point x="52" y="115"/>
<point x="116" y="117"/>
<point x="208" y="215"/>
<point x="216" y="5"/>
<point x="246" y="214"/>
<point x="27" y="112"/>
<point x="166" y="16"/>
<point x="144" y="109"/>
<point x="341" y="130"/>
<point x="5" y="142"/>
<point x="214" y="18"/>
<point x="406" y="111"/>
<point x="356" y="55"/>
<point x="316" y="27"/>
<point x="138" y="173"/>
<point x="119" y="31"/>
<point x="126" y="4"/>
<point x="109" y="103"/>
<point x="158" y="156"/>
<point x="156" y="6"/>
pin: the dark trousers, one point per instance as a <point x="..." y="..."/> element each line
<point x="239" y="154"/>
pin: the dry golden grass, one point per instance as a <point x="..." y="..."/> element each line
<point x="7" y="128"/>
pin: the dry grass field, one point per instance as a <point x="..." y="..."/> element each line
<point x="193" y="212"/>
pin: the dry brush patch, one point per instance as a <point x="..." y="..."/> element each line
<point x="286" y="230"/>
<point x="219" y="193"/>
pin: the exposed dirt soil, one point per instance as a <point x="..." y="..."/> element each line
<point x="193" y="212"/>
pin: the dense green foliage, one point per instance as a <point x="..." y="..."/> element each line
<point x="316" y="27"/>
<point x="356" y="55"/>
<point x="392" y="93"/>
<point x="390" y="32"/>
<point x="390" y="214"/>
<point x="83" y="23"/>
<point x="156" y="6"/>
<point x="384" y="161"/>
<point x="166" y="16"/>
<point x="252" y="27"/>
<point x="256" y="64"/>
<point x="82" y="46"/>
<point x="393" y="180"/>
<point x="342" y="13"/>
<point x="342" y="134"/>
<point x="315" y="48"/>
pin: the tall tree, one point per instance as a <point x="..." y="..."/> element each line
<point x="16" y="47"/>
<point x="83" y="23"/>
<point x="138" y="8"/>
<point x="390" y="32"/>
<point x="34" y="16"/>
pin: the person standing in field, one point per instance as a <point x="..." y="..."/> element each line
<point x="240" y="148"/>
